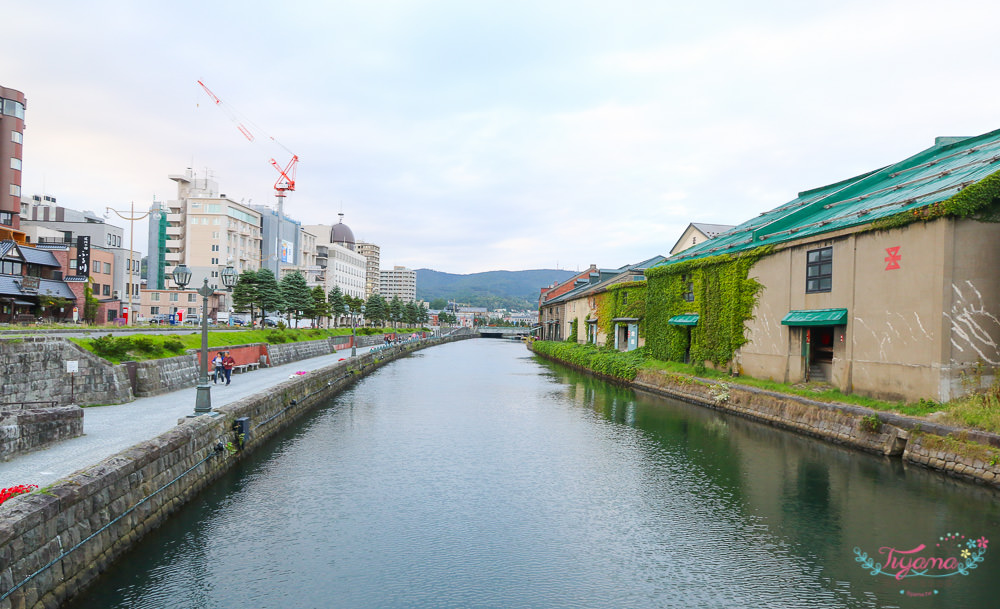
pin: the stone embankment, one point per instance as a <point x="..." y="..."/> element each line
<point x="55" y="541"/>
<point x="41" y="395"/>
<point x="963" y="453"/>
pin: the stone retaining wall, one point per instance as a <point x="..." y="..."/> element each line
<point x="973" y="455"/>
<point x="34" y="369"/>
<point x="53" y="543"/>
<point x="157" y="376"/>
<point x="286" y="353"/>
<point x="23" y="430"/>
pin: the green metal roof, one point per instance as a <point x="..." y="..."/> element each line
<point x="816" y="317"/>
<point x="690" y="319"/>
<point x="928" y="177"/>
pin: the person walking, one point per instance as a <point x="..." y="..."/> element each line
<point x="228" y="363"/>
<point x="217" y="362"/>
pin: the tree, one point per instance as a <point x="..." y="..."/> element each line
<point x="320" y="307"/>
<point x="395" y="311"/>
<point x="297" y="300"/>
<point x="90" y="303"/>
<point x="439" y="304"/>
<point x="246" y="293"/>
<point x="411" y="314"/>
<point x="270" y="293"/>
<point x="376" y="309"/>
<point x="422" y="315"/>
<point x="54" y="306"/>
<point x="338" y="305"/>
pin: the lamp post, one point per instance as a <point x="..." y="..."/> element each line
<point x="129" y="290"/>
<point x="229" y="278"/>
<point x="182" y="277"/>
<point x="354" y="325"/>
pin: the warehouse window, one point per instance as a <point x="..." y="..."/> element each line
<point x="819" y="270"/>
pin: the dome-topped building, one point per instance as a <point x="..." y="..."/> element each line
<point x="341" y="234"/>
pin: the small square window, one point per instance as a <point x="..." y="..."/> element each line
<point x="819" y="270"/>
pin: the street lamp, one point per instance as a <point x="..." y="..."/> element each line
<point x="130" y="290"/>
<point x="182" y="277"/>
<point x="354" y="324"/>
<point x="229" y="278"/>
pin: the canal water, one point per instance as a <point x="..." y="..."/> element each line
<point x="475" y="475"/>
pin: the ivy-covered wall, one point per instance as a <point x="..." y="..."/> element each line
<point x="626" y="299"/>
<point x="724" y="299"/>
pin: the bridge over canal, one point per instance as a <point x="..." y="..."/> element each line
<point x="502" y="332"/>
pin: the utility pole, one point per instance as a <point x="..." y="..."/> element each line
<point x="129" y="288"/>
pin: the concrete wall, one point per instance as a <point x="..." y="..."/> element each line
<point x="81" y="524"/>
<point x="34" y="369"/>
<point x="23" y="430"/>
<point x="286" y="353"/>
<point x="157" y="376"/>
<point x="911" y="331"/>
<point x="971" y="302"/>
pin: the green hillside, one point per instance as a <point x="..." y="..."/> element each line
<point x="492" y="289"/>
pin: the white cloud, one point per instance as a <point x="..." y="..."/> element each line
<point x="467" y="137"/>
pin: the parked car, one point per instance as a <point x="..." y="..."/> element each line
<point x="272" y="322"/>
<point x="159" y="318"/>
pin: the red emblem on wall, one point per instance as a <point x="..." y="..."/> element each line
<point x="892" y="260"/>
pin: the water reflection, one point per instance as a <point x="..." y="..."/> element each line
<point x="477" y="476"/>
<point x="818" y="500"/>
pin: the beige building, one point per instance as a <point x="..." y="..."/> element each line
<point x="400" y="281"/>
<point x="337" y="262"/>
<point x="885" y="284"/>
<point x="373" y="275"/>
<point x="205" y="230"/>
<point x="698" y="232"/>
<point x="159" y="303"/>
<point x="581" y="307"/>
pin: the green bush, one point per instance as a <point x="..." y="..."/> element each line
<point x="616" y="364"/>
<point x="111" y="348"/>
<point x="276" y="337"/>
<point x="173" y="345"/>
<point x="146" y="345"/>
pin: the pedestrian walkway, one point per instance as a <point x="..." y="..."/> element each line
<point x="111" y="429"/>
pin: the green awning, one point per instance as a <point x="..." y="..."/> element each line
<point x="689" y="319"/>
<point x="816" y="317"/>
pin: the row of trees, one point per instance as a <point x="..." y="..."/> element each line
<point x="259" y="292"/>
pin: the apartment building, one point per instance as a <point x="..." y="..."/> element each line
<point x="399" y="281"/>
<point x="341" y="265"/>
<point x="373" y="273"/>
<point x="45" y="222"/>
<point x="203" y="229"/>
<point x="12" y="104"/>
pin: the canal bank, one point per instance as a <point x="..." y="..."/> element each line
<point x="55" y="541"/>
<point x="476" y="475"/>
<point x="963" y="453"/>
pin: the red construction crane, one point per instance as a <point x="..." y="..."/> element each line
<point x="286" y="177"/>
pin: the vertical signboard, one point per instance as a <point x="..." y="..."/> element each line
<point x="287" y="251"/>
<point x="83" y="256"/>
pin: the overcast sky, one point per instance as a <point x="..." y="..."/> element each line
<point x="469" y="136"/>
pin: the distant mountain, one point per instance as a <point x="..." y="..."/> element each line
<point x="492" y="289"/>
